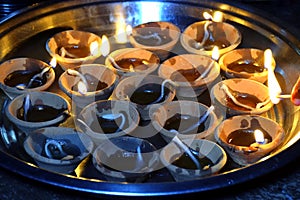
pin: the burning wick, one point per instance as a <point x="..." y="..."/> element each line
<point x="215" y="56"/>
<point x="93" y="50"/>
<point x="201" y="120"/>
<point x="295" y="94"/>
<point x="228" y="92"/>
<point x="199" y="45"/>
<point x="259" y="137"/>
<point x="162" y="94"/>
<point x="105" y="49"/>
<point x="83" y="83"/>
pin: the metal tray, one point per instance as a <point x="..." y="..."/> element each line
<point x="25" y="34"/>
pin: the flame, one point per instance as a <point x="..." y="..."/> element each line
<point x="105" y="46"/>
<point x="82" y="88"/>
<point x="274" y="87"/>
<point x="129" y="30"/>
<point x="215" y="53"/>
<point x="207" y="16"/>
<point x="94" y="48"/>
<point x="121" y="34"/>
<point x="53" y="62"/>
<point x="217" y="16"/>
<point x="259" y="136"/>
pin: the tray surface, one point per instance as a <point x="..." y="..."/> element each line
<point x="96" y="17"/>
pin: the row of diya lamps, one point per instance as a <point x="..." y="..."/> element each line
<point x="137" y="94"/>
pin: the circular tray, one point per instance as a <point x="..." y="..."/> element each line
<point x="25" y="33"/>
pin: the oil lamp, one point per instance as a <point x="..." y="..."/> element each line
<point x="201" y="37"/>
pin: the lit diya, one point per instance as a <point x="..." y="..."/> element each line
<point x="192" y="120"/>
<point x="192" y="73"/>
<point x="245" y="63"/>
<point x="132" y="61"/>
<point x="248" y="138"/>
<point x="106" y="119"/>
<point x="241" y="96"/>
<point x="58" y="149"/>
<point x="22" y="75"/>
<point x="72" y="48"/>
<point x="201" y="37"/>
<point x="159" y="37"/>
<point x="37" y="110"/>
<point x="145" y="91"/>
<point x="88" y="83"/>
<point x="211" y="158"/>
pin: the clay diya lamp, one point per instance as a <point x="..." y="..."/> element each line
<point x="88" y="83"/>
<point x="106" y="119"/>
<point x="132" y="61"/>
<point x="159" y="37"/>
<point x="192" y="120"/>
<point x="126" y="159"/>
<point x="58" y="149"/>
<point x="201" y="37"/>
<point x="35" y="110"/>
<point x="192" y="73"/>
<point x="145" y="91"/>
<point x="22" y="75"/>
<point x="245" y="63"/>
<point x="249" y="138"/>
<point x="210" y="159"/>
<point x="240" y="96"/>
<point x="72" y="48"/>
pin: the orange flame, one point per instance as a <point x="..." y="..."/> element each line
<point x="105" y="46"/>
<point x="274" y="87"/>
<point x="215" y="53"/>
<point x="259" y="136"/>
<point x="53" y="62"/>
<point x="94" y="48"/>
<point x="121" y="35"/>
<point x="217" y="16"/>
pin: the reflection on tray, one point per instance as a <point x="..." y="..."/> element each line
<point x="198" y="39"/>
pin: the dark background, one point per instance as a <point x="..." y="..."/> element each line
<point x="283" y="183"/>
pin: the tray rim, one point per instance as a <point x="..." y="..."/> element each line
<point x="285" y="156"/>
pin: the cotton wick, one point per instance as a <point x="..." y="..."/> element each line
<point x="64" y="53"/>
<point x="153" y="35"/>
<point x="201" y="120"/>
<point x="199" y="45"/>
<point x="228" y="93"/>
<point x="184" y="147"/>
<point x="76" y="73"/>
<point x="162" y="94"/>
<point x="115" y="64"/>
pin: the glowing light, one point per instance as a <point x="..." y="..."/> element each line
<point x="121" y="34"/>
<point x="94" y="48"/>
<point x="53" y="62"/>
<point x="259" y="136"/>
<point x="215" y="53"/>
<point x="273" y="85"/>
<point x="105" y="46"/>
<point x="218" y="16"/>
<point x="207" y="16"/>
